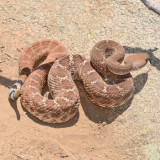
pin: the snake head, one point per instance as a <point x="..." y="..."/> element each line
<point x="138" y="60"/>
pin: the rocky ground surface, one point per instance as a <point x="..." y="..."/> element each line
<point x="130" y="132"/>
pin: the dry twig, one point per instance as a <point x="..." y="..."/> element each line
<point x="2" y="61"/>
<point x="11" y="56"/>
<point x="18" y="156"/>
<point x="70" y="154"/>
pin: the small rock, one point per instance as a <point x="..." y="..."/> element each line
<point x="104" y="123"/>
<point x="63" y="155"/>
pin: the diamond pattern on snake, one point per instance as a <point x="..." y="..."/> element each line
<point x="59" y="70"/>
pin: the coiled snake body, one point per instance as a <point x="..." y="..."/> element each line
<point x="106" y="58"/>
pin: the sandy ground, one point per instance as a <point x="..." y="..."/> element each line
<point x="130" y="132"/>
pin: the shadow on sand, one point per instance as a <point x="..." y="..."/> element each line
<point x="99" y="114"/>
<point x="8" y="83"/>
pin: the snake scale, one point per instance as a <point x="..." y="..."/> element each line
<point x="61" y="69"/>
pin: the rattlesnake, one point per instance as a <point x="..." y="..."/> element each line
<point x="106" y="57"/>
